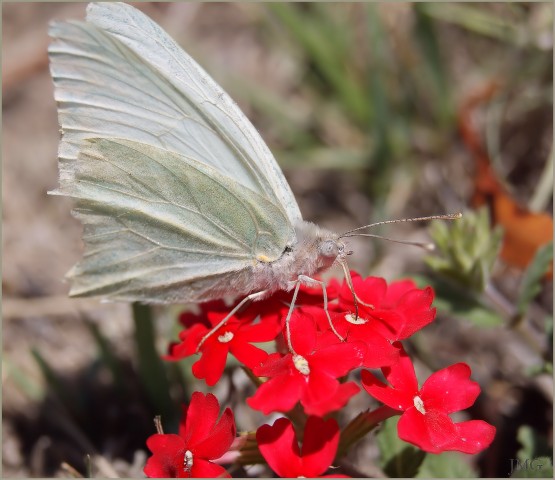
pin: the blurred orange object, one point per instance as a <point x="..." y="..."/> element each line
<point x="525" y="231"/>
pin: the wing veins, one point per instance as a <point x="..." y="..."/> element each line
<point x="199" y="211"/>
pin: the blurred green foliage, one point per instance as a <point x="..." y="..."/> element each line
<point x="466" y="249"/>
<point x="460" y="269"/>
<point x="381" y="82"/>
<point x="531" y="283"/>
<point x="535" y="456"/>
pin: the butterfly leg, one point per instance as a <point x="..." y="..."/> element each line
<point x="248" y="298"/>
<point x="356" y="299"/>
<point x="307" y="280"/>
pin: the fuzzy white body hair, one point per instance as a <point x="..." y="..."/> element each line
<point x="313" y="251"/>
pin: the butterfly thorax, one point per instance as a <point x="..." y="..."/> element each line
<point x="313" y="251"/>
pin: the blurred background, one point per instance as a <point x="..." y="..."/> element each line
<point x="375" y="112"/>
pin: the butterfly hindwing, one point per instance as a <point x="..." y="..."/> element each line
<point x="158" y="225"/>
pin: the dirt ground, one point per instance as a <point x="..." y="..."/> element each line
<point x="41" y="241"/>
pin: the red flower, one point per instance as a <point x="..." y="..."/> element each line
<point x="279" y="447"/>
<point x="379" y="351"/>
<point x="310" y="375"/>
<point x="234" y="337"/>
<point x="202" y="437"/>
<point x="397" y="310"/>
<point x="425" y="421"/>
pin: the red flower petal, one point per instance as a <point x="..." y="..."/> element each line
<point x="190" y="339"/>
<point x="339" y="359"/>
<point x="396" y="290"/>
<point x="450" y="389"/>
<point x="370" y="290"/>
<point x="389" y="323"/>
<point x="278" y="445"/>
<point x="379" y="352"/>
<point x="220" y="439"/>
<point x="202" y="414"/>
<point x="279" y="394"/>
<point x="397" y="399"/>
<point x="318" y="387"/>
<point x="415" y="305"/>
<point x="473" y="436"/>
<point x="205" y="469"/>
<point x="264" y="331"/>
<point x="401" y="375"/>
<point x="321" y="438"/>
<point x="337" y="318"/>
<point x="276" y="364"/>
<point x="248" y="354"/>
<point x="303" y="332"/>
<point x="433" y="432"/>
<point x="334" y="402"/>
<point x="210" y="366"/>
<point x="168" y="454"/>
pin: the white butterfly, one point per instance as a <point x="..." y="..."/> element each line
<point x="180" y="198"/>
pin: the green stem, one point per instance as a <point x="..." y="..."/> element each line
<point x="151" y="368"/>
<point x="362" y="424"/>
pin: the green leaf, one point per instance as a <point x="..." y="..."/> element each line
<point x="427" y="39"/>
<point x="317" y="35"/>
<point x="31" y="387"/>
<point x="446" y="465"/>
<point x="55" y="384"/>
<point x="533" y="444"/>
<point x="398" y="459"/>
<point x="107" y="357"/>
<point x="531" y="283"/>
<point x="477" y="20"/>
<point x="532" y="459"/>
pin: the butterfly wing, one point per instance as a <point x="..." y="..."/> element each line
<point x="162" y="227"/>
<point x="120" y="76"/>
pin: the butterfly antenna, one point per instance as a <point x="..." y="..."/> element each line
<point x="426" y="246"/>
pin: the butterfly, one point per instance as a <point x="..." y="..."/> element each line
<point x="180" y="198"/>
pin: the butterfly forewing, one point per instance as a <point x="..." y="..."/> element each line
<point x="120" y="75"/>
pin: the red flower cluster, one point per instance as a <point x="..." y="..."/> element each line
<point x="202" y="438"/>
<point x="310" y="367"/>
<point x="234" y="337"/>
<point x="310" y="374"/>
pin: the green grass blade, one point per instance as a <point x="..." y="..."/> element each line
<point x="151" y="369"/>
<point x="107" y="357"/>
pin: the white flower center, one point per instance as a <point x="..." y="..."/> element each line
<point x="354" y="320"/>
<point x="301" y="364"/>
<point x="419" y="405"/>
<point x="188" y="461"/>
<point x="226" y="337"/>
